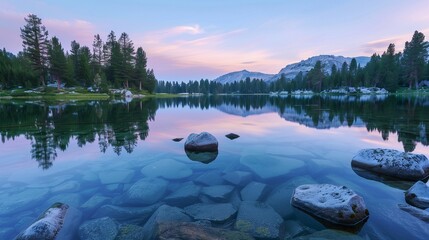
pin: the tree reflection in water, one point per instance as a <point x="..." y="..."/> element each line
<point x="50" y="126"/>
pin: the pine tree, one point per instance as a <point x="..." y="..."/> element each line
<point x="84" y="67"/>
<point x="140" y="67"/>
<point x="128" y="56"/>
<point x="57" y="62"/>
<point x="389" y="69"/>
<point x="74" y="59"/>
<point x="97" y="54"/>
<point x="35" y="42"/>
<point x="415" y="54"/>
<point x="352" y="72"/>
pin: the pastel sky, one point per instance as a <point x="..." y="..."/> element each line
<point x="194" y="39"/>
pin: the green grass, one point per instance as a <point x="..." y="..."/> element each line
<point x="412" y="92"/>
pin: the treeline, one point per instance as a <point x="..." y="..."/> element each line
<point x="391" y="70"/>
<point x="111" y="64"/>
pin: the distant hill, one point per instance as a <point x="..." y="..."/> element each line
<point x="242" y="75"/>
<point x="293" y="69"/>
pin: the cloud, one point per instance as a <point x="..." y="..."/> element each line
<point x="199" y="54"/>
<point x="380" y="45"/>
<point x="66" y="30"/>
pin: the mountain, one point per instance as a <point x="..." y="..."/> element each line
<point x="291" y="70"/>
<point x="241" y="75"/>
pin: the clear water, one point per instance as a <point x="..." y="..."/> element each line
<point x="70" y="151"/>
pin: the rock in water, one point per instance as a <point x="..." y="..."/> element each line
<point x="259" y="219"/>
<point x="193" y="231"/>
<point x="48" y="225"/>
<point x="203" y="142"/>
<point x="219" y="212"/>
<point x="416" y="212"/>
<point x="393" y="163"/>
<point x="146" y="192"/>
<point x="203" y="157"/>
<point x="99" y="229"/>
<point x="418" y="195"/>
<point x="168" y="169"/>
<point x="335" y="204"/>
<point x="164" y="214"/>
<point x="177" y="139"/>
<point x="232" y="136"/>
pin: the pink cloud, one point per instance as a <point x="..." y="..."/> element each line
<point x="66" y="30"/>
<point x="185" y="49"/>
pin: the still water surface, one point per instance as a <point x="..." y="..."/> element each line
<point x="71" y="151"/>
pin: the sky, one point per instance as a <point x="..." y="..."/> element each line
<point x="193" y="39"/>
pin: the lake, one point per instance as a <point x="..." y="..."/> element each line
<point x="90" y="155"/>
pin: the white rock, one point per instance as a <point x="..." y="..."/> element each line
<point x="418" y="195"/>
<point x="336" y="204"/>
<point x="393" y="163"/>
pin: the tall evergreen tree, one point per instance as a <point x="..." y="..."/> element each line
<point x="352" y="72"/>
<point x="128" y="57"/>
<point x="97" y="54"/>
<point x="415" y="54"/>
<point x="389" y="69"/>
<point x="57" y="62"/>
<point x="35" y="42"/>
<point x="140" y="67"/>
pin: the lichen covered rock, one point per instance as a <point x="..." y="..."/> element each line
<point x="392" y="163"/>
<point x="335" y="204"/>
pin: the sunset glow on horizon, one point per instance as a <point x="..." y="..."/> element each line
<point x="190" y="40"/>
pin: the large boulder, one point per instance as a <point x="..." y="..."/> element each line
<point x="259" y="220"/>
<point x="57" y="222"/>
<point x="125" y="213"/>
<point x="392" y="163"/>
<point x="418" y="195"/>
<point x="187" y="194"/>
<point x="202" y="142"/>
<point x="335" y="204"/>
<point x="218" y="193"/>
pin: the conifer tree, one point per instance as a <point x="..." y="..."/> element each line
<point x="415" y="54"/>
<point x="35" y="42"/>
<point x="57" y="62"/>
<point x="140" y="67"/>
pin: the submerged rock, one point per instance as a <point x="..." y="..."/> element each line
<point x="330" y="234"/>
<point x="210" y="178"/>
<point x="259" y="220"/>
<point x="168" y="169"/>
<point x="111" y="177"/>
<point x="94" y="202"/>
<point x="416" y="212"/>
<point x="146" y="191"/>
<point x="238" y="177"/>
<point x="418" y="195"/>
<point x="218" y="212"/>
<point x="99" y="229"/>
<point x="203" y="157"/>
<point x="267" y="167"/>
<point x="253" y="191"/>
<point x="164" y="214"/>
<point x="25" y="199"/>
<point x="193" y="231"/>
<point x="52" y="224"/>
<point x="393" y="163"/>
<point x="218" y="193"/>
<point x="185" y="195"/>
<point x="202" y="142"/>
<point x="232" y="136"/>
<point x="335" y="204"/>
<point x="125" y="213"/>
<point x="130" y="232"/>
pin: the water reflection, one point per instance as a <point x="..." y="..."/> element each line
<point x="120" y="125"/>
